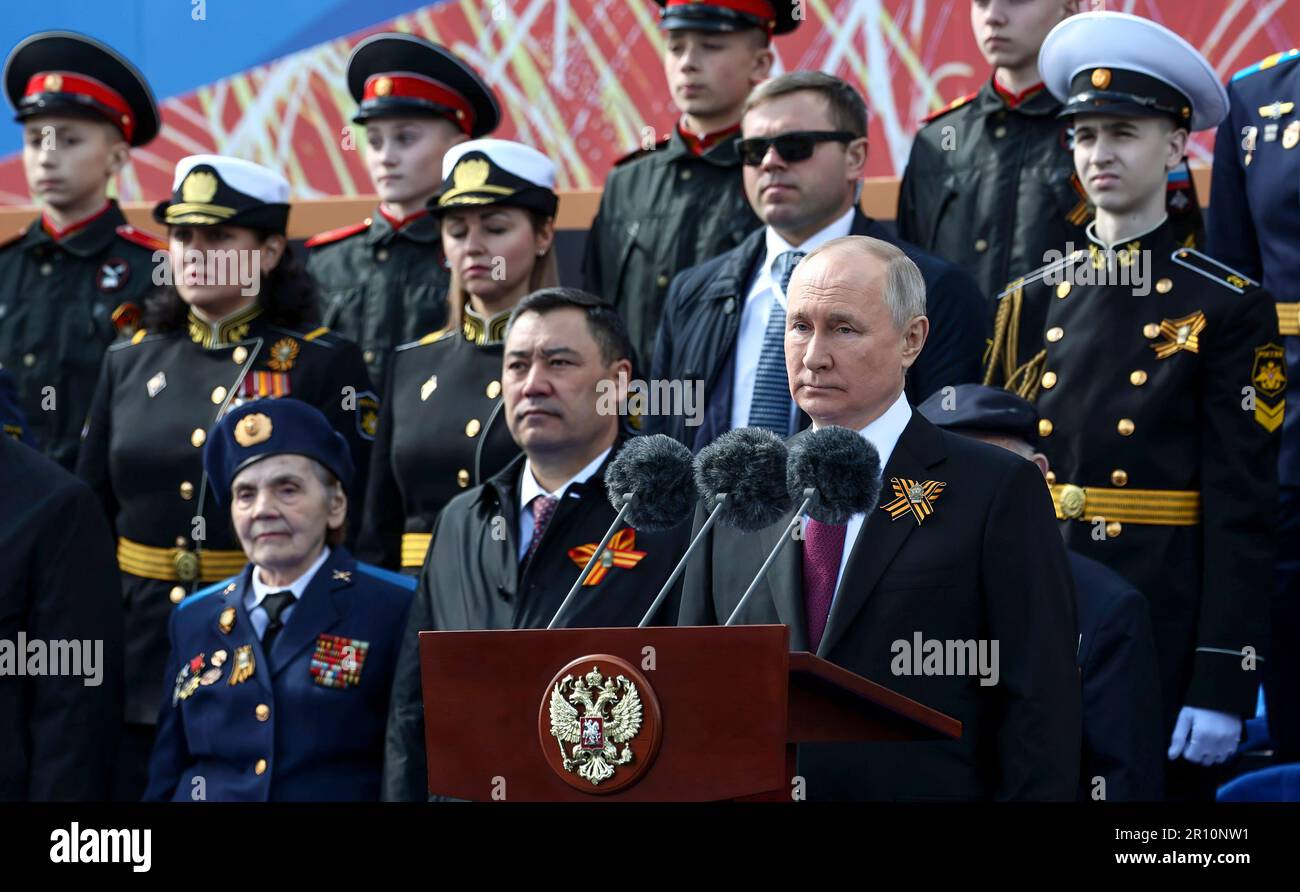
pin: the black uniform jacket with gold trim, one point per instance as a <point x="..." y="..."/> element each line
<point x="1177" y="385"/>
<point x="472" y="580"/>
<point x="158" y="397"/>
<point x="58" y="299"/>
<point x="984" y="565"/>
<point x="442" y="430"/>
<point x="380" y="286"/>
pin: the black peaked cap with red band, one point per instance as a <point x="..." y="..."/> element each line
<point x="401" y="75"/>
<point x="772" y="16"/>
<point x="65" y="73"/>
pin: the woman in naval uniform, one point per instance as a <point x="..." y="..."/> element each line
<point x="234" y="326"/>
<point x="441" y="429"/>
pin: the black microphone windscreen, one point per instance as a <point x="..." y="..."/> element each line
<point x="841" y="466"/>
<point x="659" y="470"/>
<point x="749" y="464"/>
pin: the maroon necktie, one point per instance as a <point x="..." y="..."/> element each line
<point x="543" y="507"/>
<point x="823" y="546"/>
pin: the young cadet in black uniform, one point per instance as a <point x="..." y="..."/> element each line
<point x="990" y="184"/>
<point x="1254" y="225"/>
<point x="76" y="276"/>
<point x="381" y="281"/>
<point x="552" y="503"/>
<point x="442" y="429"/>
<point x="234" y="327"/>
<point x="1158" y="375"/>
<point x="679" y="202"/>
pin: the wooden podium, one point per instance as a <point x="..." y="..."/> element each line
<point x="696" y="713"/>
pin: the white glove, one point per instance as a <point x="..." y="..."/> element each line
<point x="1204" y="736"/>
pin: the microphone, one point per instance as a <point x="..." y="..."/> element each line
<point x="837" y="474"/>
<point x="742" y="475"/>
<point x="650" y="484"/>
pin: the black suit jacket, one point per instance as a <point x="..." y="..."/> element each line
<point x="988" y="566"/>
<point x="697" y="336"/>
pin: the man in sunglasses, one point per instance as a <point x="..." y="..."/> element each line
<point x="804" y="150"/>
<point x="678" y="201"/>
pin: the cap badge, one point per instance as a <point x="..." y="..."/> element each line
<point x="253" y="429"/>
<point x="1101" y="78"/>
<point x="383" y="86"/>
<point x="470" y="174"/>
<point x="53" y="83"/>
<point x="199" y="187"/>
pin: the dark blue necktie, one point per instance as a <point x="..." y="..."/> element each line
<point x="770" y="407"/>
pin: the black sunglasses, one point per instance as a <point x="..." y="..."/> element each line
<point x="798" y="145"/>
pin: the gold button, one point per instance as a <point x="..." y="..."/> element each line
<point x="180" y="542"/>
<point x="260" y="767"/>
<point x="198" y="437"/>
<point x="1072" y="500"/>
<point x="1049" y="380"/>
<point x="187" y="490"/>
<point x="1050" y="477"/>
<point x="1055" y="333"/>
<point x="29" y="359"/>
<point x="981" y="245"/>
<point x="472" y="429"/>
<point x="686" y="174"/>
<point x="462" y="478"/>
<point x="1119" y="476"/>
<point x="493" y="389"/>
<point x="218" y="395"/>
<point x="662" y="281"/>
<point x="1063" y="289"/>
<point x="263" y="712"/>
<point x="1137" y="378"/>
<point x="1125" y="427"/>
<point x="177" y="594"/>
<point x="240" y="354"/>
<point x="1114" y="528"/>
<point x="46" y="269"/>
<point x="1164" y="286"/>
<point x="1150" y="330"/>
<point x="1000" y="132"/>
<point x="381" y="255"/>
<point x="1044" y="427"/>
<point x="369" y="356"/>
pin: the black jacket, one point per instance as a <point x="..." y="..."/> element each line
<point x="698" y="336"/>
<point x="1123" y="738"/>
<point x="58" y="582"/>
<point x="986" y="566"/>
<point x="472" y="580"/>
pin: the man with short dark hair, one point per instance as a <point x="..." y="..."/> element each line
<point x="505" y="554"/>
<point x="804" y="151"/>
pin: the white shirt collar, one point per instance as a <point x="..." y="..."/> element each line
<point x="530" y="489"/>
<point x="777" y="245"/>
<point x="883" y="433"/>
<point x="298" y="586"/>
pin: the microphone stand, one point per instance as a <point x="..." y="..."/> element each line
<point x="720" y="502"/>
<point x="629" y="498"/>
<point x="809" y="494"/>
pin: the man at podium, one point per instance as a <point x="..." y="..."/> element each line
<point x="955" y="593"/>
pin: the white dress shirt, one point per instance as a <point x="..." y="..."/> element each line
<point x="530" y="489"/>
<point x="757" y="309"/>
<point x="258" y="591"/>
<point x="883" y="433"/>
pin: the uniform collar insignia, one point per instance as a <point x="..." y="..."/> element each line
<point x="621" y="552"/>
<point x="231" y="330"/>
<point x="483" y="332"/>
<point x="913" y="497"/>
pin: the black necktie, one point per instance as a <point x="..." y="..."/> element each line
<point x="275" y="604"/>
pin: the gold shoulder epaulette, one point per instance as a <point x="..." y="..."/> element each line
<point x="1214" y="270"/>
<point x="1042" y="272"/>
<point x="315" y="333"/>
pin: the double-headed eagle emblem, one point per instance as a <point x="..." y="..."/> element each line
<point x="611" y="718"/>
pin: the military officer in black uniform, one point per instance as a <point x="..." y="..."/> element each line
<point x="990" y="184"/>
<point x="1254" y="225"/>
<point x="75" y="277"/>
<point x="1159" y="378"/>
<point x="442" y="430"/>
<point x="506" y="553"/>
<point x="678" y="202"/>
<point x="278" y="681"/>
<point x="209" y="342"/>
<point x="382" y="281"/>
